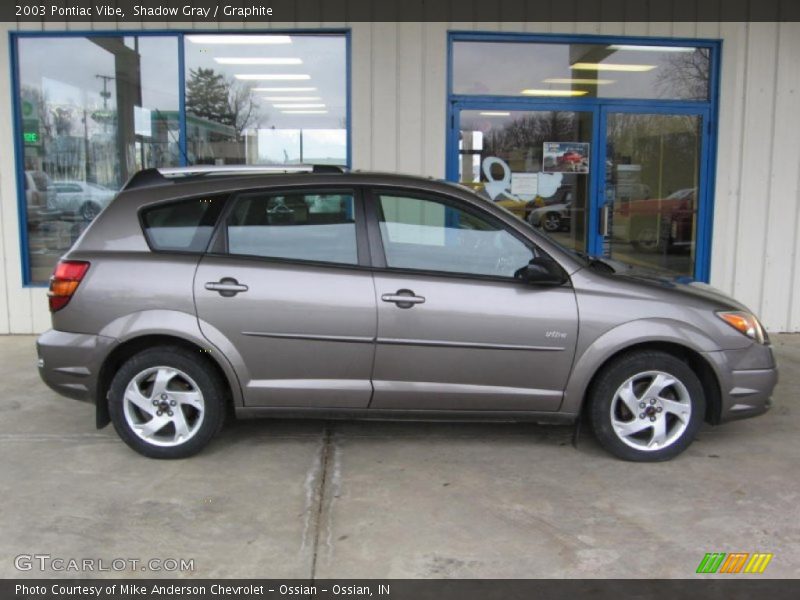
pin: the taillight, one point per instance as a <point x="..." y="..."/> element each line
<point x="65" y="281"/>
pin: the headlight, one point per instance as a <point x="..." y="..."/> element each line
<point x="745" y="323"/>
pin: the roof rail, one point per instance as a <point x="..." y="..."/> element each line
<point x="151" y="177"/>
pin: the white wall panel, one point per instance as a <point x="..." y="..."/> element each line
<point x="729" y="155"/>
<point x="780" y="285"/>
<point x="759" y="121"/>
<point x="385" y="88"/>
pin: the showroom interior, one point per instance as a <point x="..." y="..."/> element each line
<point x="666" y="145"/>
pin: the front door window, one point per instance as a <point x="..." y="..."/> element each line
<point x="433" y="236"/>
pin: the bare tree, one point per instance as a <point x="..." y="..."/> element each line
<point x="686" y="75"/>
<point x="243" y="107"/>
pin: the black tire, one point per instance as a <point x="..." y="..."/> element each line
<point x="89" y="210"/>
<point x="201" y="373"/>
<point x="619" y="372"/>
<point x="648" y="240"/>
<point x="551" y="222"/>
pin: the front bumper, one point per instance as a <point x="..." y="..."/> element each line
<point x="747" y="378"/>
<point x="69" y="363"/>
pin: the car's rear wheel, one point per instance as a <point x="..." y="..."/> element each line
<point x="166" y="402"/>
<point x="89" y="210"/>
<point x="647" y="406"/>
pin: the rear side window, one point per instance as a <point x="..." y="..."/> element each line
<point x="183" y="226"/>
<point x="301" y="226"/>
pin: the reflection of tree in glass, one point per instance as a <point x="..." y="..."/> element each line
<point x="242" y="107"/>
<point x="39" y="100"/>
<point x="207" y="95"/>
<point x="685" y="75"/>
<point x="62" y="120"/>
<point x="532" y="130"/>
<point x="665" y="147"/>
<point x="519" y="142"/>
<point x="210" y="95"/>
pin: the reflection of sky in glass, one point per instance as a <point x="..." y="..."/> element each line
<point x="324" y="144"/>
<point x="323" y="60"/>
<point x="283" y="146"/>
<point x="76" y="62"/>
<point x="278" y="146"/>
<point x="507" y="68"/>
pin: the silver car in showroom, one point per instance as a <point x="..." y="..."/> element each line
<point x="327" y="294"/>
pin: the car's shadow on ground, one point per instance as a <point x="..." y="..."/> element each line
<point x="256" y="432"/>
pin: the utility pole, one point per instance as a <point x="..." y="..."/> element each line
<point x="105" y="94"/>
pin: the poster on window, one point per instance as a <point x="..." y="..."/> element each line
<point x="566" y="157"/>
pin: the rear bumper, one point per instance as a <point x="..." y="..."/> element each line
<point x="69" y="363"/>
<point x="747" y="379"/>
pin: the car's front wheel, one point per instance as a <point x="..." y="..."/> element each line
<point x="647" y="406"/>
<point x="552" y="222"/>
<point x="166" y="402"/>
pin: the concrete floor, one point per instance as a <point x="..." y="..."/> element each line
<point x="311" y="499"/>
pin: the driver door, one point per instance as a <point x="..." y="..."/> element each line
<point x="456" y="330"/>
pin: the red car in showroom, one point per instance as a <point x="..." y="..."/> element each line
<point x="658" y="224"/>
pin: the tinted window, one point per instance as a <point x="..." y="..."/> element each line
<point x="317" y="227"/>
<point x="184" y="226"/>
<point x="433" y="236"/>
<point x="67" y="188"/>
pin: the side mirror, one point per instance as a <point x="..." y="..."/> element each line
<point x="542" y="270"/>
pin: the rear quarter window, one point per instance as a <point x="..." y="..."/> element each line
<point x="183" y="225"/>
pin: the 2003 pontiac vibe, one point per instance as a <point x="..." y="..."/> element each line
<point x="330" y="294"/>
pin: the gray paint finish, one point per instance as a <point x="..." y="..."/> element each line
<point x="296" y="335"/>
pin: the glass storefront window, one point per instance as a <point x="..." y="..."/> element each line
<point x="94" y="111"/>
<point x="266" y="99"/>
<point x="581" y="70"/>
<point x="652" y="175"/>
<point x="502" y="157"/>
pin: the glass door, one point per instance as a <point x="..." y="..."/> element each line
<point x="652" y="183"/>
<point x="535" y="163"/>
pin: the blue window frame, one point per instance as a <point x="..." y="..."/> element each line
<point x="65" y="225"/>
<point x="704" y="109"/>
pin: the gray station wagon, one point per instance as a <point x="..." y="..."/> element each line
<point x="327" y="294"/>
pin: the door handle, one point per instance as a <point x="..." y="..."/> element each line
<point x="604" y="220"/>
<point x="227" y="287"/>
<point x="403" y="298"/>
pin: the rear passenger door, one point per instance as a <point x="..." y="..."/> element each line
<point x="286" y="293"/>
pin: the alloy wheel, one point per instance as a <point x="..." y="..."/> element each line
<point x="163" y="406"/>
<point x="651" y="410"/>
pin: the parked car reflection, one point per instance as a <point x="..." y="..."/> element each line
<point x="554" y="213"/>
<point x="40" y="197"/>
<point x="81" y="198"/>
<point x="658" y="224"/>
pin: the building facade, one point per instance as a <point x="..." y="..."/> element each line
<point x="672" y="146"/>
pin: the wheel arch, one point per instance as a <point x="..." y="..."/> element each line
<point x="687" y="344"/>
<point x="136" y="343"/>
